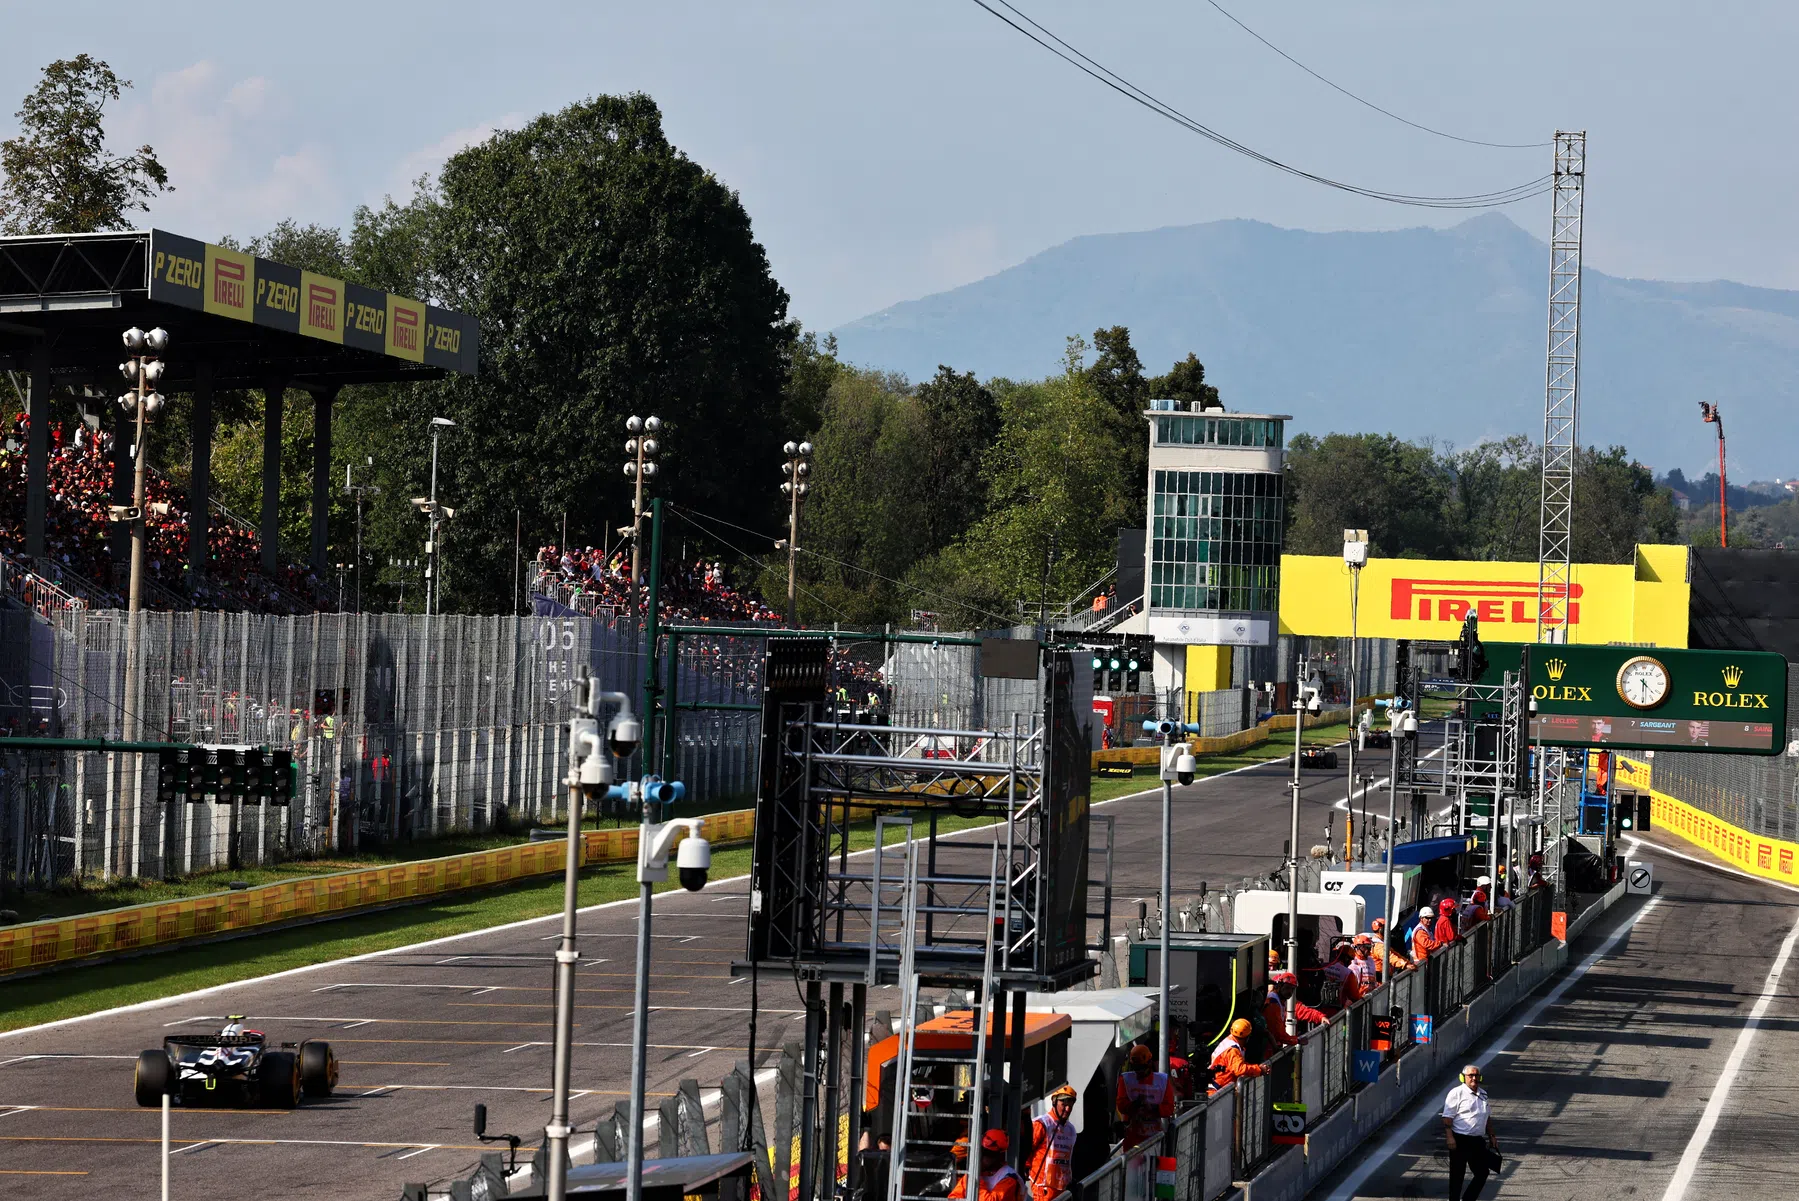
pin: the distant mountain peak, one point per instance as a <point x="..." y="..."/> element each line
<point x="1422" y="332"/>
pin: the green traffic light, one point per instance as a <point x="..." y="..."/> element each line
<point x="1114" y="665"/>
<point x="1097" y="663"/>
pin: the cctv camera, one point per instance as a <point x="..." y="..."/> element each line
<point x="693" y="859"/>
<point x="134" y="339"/>
<point x="1184" y="767"/>
<point x="157" y="340"/>
<point x="596" y="775"/>
<point x="623" y="735"/>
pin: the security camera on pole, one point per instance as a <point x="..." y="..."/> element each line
<point x="590" y="777"/>
<point x="143" y="371"/>
<point x="640" y="468"/>
<point x="1305" y="700"/>
<point x="1177" y="764"/>
<point x="794" y="488"/>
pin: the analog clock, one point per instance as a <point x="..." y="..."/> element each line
<point x="1643" y="682"/>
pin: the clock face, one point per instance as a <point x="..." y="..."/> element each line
<point x="1643" y="682"/>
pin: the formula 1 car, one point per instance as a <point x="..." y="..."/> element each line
<point x="238" y="1065"/>
<point x="1317" y="756"/>
<point x="1378" y="740"/>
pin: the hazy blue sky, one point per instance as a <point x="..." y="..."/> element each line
<point x="889" y="150"/>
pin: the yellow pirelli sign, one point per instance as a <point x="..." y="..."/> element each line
<point x="1643" y="603"/>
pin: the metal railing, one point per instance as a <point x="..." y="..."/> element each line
<point x="1228" y="1136"/>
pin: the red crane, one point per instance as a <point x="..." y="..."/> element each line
<point x="1711" y="414"/>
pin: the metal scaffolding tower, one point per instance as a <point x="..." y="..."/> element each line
<point x="1561" y="402"/>
<point x="1561" y="440"/>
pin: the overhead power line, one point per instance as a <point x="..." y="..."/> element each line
<point x="1229" y="16"/>
<point x="1124" y="87"/>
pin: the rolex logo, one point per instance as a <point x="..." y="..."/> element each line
<point x="1556" y="668"/>
<point x="1733" y="675"/>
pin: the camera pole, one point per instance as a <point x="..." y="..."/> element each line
<point x="1177" y="762"/>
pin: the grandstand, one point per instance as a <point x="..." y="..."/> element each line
<point x="82" y="559"/>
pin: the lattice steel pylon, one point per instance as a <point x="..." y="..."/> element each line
<point x="1561" y="402"/>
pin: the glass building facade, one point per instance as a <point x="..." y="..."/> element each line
<point x="1184" y="430"/>
<point x="1215" y="535"/>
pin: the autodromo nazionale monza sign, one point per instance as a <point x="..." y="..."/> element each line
<point x="1657" y="699"/>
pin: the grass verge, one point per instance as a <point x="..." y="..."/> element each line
<point x="1280" y="746"/>
<point x="73" y="898"/>
<point x="72" y="992"/>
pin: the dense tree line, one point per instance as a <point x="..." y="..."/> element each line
<point x="1418" y="500"/>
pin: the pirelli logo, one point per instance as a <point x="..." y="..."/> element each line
<point x="1494" y="603"/>
<point x="228" y="289"/>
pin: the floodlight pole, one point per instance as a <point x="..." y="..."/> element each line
<point x="1299" y="724"/>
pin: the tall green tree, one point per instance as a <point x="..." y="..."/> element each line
<point x="1186" y="385"/>
<point x="59" y="175"/>
<point x="612" y="276"/>
<point x="960" y="424"/>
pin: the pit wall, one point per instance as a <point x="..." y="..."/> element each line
<point x="91" y="937"/>
<point x="1757" y="854"/>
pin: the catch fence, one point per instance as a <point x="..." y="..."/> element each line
<point x="1756" y="793"/>
<point x="398" y="725"/>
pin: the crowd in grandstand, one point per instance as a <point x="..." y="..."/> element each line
<point x="589" y="580"/>
<point x="78" y="534"/>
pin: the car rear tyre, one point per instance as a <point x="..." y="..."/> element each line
<point x="155" y="1076"/>
<point x="280" y="1080"/>
<point x="318" y="1069"/>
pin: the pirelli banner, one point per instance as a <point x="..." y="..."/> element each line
<point x="230" y="283"/>
<point x="41" y="945"/>
<point x="1642" y="603"/>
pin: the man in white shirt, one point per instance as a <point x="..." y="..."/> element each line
<point x="1468" y="1128"/>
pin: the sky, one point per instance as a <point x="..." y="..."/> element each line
<point x="887" y="151"/>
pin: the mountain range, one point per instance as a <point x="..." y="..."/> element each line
<point x="1424" y="333"/>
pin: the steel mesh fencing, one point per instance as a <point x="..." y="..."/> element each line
<point x="1757" y="793"/>
<point x="399" y="726"/>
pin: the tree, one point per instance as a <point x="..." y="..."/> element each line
<point x="960" y="421"/>
<point x="1616" y="506"/>
<point x="1055" y="501"/>
<point x="59" y="177"/>
<point x="611" y="275"/>
<point x="1186" y="385"/>
<point x="1393" y="489"/>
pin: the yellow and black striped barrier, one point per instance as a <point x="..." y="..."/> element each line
<point x="36" y="946"/>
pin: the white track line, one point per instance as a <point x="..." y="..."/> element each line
<point x="1430" y="1106"/>
<point x="196" y="994"/>
<point x="420" y="1151"/>
<point x="1714" y="1108"/>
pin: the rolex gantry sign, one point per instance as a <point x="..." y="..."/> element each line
<point x="1647" y="698"/>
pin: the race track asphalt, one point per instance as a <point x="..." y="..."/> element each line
<point x="1603" y="1094"/>
<point x="424" y="1033"/>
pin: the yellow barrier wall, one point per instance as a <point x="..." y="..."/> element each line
<point x="1771" y="858"/>
<point x="44" y="944"/>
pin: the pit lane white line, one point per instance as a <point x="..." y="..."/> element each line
<point x="420" y="1151"/>
<point x="416" y="947"/>
<point x="1431" y="1104"/>
<point x="1714" y="1108"/>
<point x="59" y="1055"/>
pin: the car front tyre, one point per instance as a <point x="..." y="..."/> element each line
<point x="318" y="1068"/>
